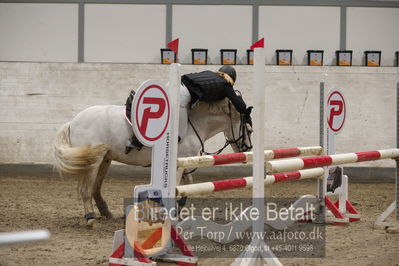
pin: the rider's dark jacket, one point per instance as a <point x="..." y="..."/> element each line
<point x="208" y="86"/>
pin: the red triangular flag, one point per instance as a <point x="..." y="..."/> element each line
<point x="174" y="46"/>
<point x="258" y="44"/>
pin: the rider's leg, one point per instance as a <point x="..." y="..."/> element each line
<point x="185" y="99"/>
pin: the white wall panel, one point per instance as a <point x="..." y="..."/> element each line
<point x="124" y="33"/>
<point x="373" y="29"/>
<point x="39" y="32"/>
<point x="300" y="28"/>
<point x="214" y="28"/>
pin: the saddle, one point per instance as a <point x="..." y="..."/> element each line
<point x="133" y="142"/>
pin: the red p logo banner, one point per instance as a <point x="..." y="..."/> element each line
<point x="151" y="112"/>
<point x="336" y="111"/>
<point x="148" y="114"/>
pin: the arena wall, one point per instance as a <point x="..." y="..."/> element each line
<point x="133" y="31"/>
<point x="37" y="98"/>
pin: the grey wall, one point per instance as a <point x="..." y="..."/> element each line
<point x="300" y="28"/>
<point x="36" y="98"/>
<point x="373" y="29"/>
<point x="124" y="33"/>
<point x="133" y="31"/>
<point x="39" y="32"/>
<point x="214" y="28"/>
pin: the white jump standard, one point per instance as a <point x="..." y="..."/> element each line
<point x="160" y="134"/>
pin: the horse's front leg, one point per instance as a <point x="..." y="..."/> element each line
<point x="183" y="177"/>
<point x="187" y="178"/>
<point x="179" y="176"/>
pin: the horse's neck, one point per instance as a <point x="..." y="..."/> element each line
<point x="207" y="124"/>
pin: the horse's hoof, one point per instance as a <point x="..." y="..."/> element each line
<point x="393" y="229"/>
<point x="90" y="219"/>
<point x="107" y="215"/>
<point x="92" y="223"/>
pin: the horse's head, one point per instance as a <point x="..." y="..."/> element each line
<point x="238" y="129"/>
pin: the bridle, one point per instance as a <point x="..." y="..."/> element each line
<point x="244" y="132"/>
<point x="240" y="141"/>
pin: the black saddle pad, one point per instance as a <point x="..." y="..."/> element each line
<point x="128" y="105"/>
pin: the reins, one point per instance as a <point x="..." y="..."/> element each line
<point x="202" y="151"/>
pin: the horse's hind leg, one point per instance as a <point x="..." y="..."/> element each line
<point x="100" y="202"/>
<point x="87" y="189"/>
<point x="86" y="195"/>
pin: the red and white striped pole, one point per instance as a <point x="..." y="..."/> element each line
<point x="236" y="183"/>
<point x="241" y="157"/>
<point x="327" y="160"/>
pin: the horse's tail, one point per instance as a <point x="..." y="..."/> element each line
<point x="75" y="160"/>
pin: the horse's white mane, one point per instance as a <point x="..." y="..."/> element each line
<point x="218" y="107"/>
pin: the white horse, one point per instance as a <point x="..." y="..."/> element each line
<point x="86" y="145"/>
